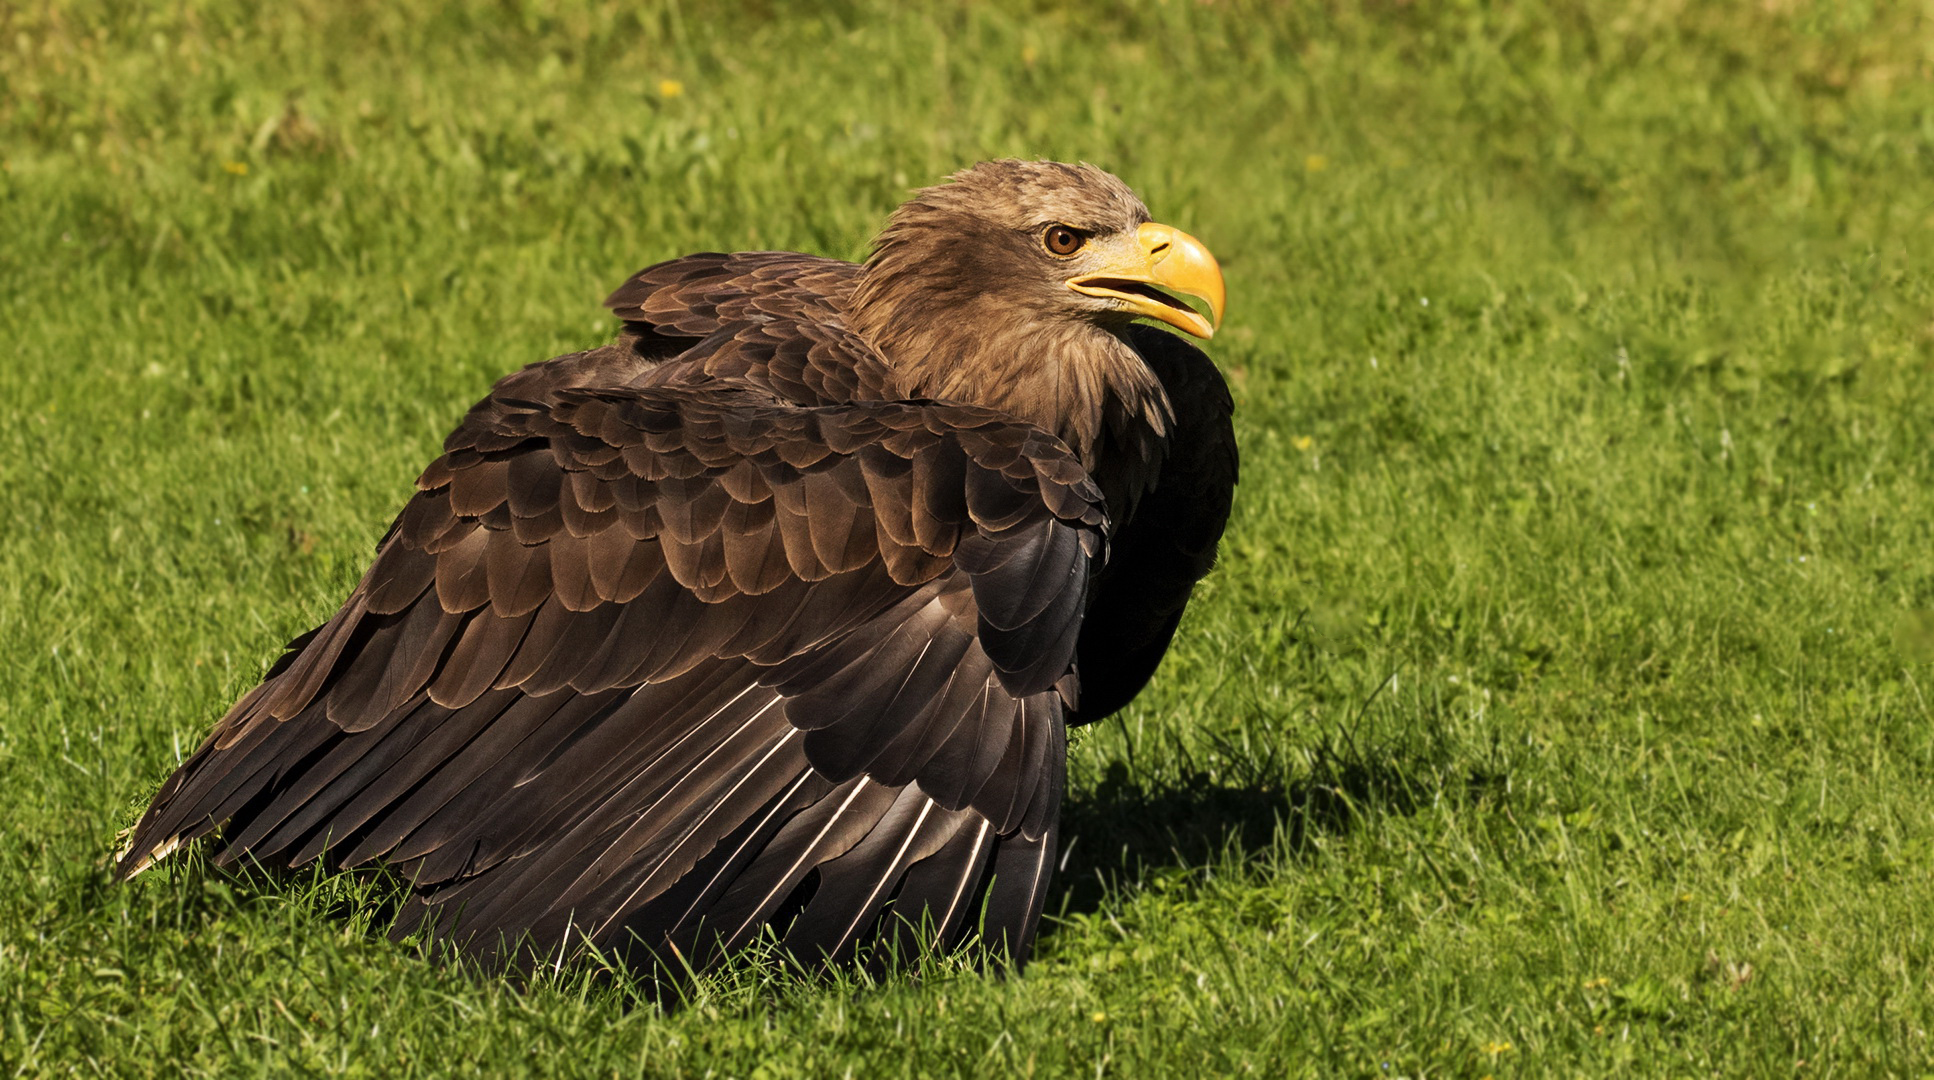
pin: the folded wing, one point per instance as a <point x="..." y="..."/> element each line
<point x="657" y="667"/>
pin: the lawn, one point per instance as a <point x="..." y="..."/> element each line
<point x="1560" y="703"/>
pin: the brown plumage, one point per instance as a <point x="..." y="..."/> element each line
<point x="773" y="613"/>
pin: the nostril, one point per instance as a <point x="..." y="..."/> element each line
<point x="1158" y="248"/>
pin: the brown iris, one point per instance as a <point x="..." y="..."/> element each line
<point x="1062" y="240"/>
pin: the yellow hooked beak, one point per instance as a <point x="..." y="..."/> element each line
<point x="1165" y="258"/>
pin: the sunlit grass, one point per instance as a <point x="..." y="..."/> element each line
<point x="1558" y="706"/>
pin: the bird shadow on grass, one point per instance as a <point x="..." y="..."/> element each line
<point x="1121" y="835"/>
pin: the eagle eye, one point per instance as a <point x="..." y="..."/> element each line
<point x="1062" y="240"/>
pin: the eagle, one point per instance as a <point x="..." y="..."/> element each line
<point x="769" y="619"/>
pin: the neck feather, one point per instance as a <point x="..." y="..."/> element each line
<point x="1080" y="382"/>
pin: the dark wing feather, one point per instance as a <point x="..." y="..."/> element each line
<point x="637" y="665"/>
<point x="767" y="319"/>
<point x="1156" y="557"/>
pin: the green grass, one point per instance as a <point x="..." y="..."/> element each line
<point x="1559" y="706"/>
